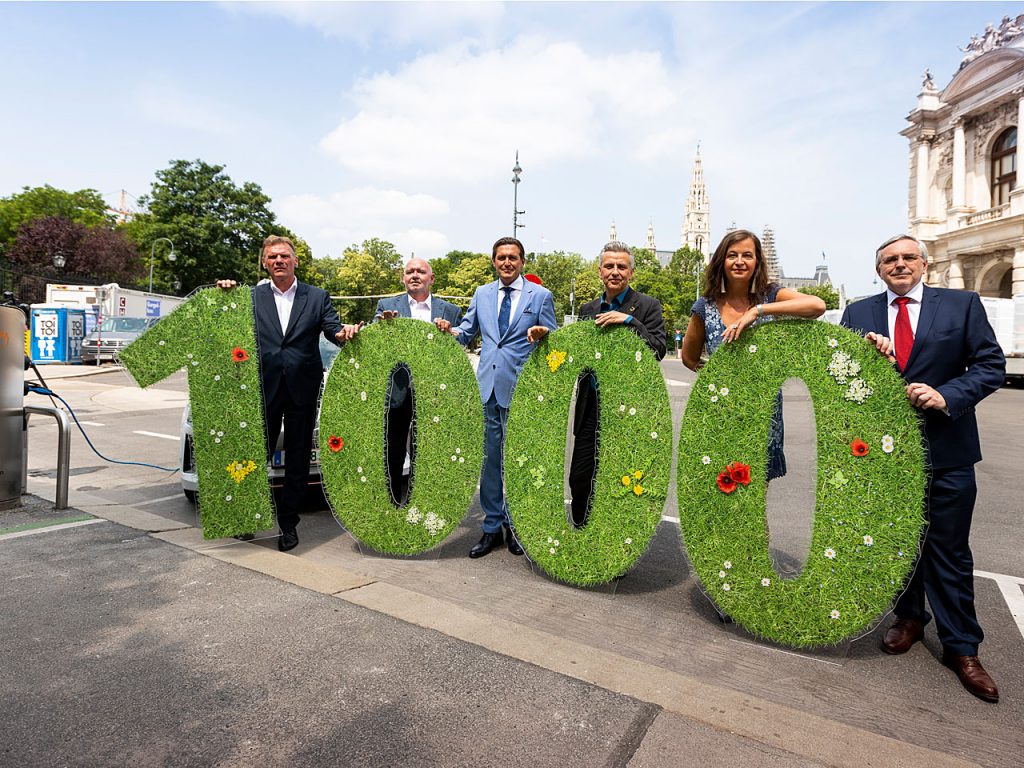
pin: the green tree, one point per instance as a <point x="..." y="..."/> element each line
<point x="85" y="207"/>
<point x="558" y="272"/>
<point x="825" y="292"/>
<point x="370" y="269"/>
<point x="217" y="227"/>
<point x="445" y="265"/>
<point x="470" y="274"/>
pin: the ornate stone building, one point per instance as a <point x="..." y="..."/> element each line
<point x="966" y="194"/>
<point x="696" y="229"/>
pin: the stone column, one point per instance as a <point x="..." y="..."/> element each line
<point x="1019" y="92"/>
<point x="955" y="278"/>
<point x="922" y="209"/>
<point x="1017" y="287"/>
<point x="959" y="164"/>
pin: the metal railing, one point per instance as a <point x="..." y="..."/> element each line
<point x="63" y="451"/>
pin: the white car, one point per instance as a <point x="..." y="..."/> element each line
<point x="275" y="467"/>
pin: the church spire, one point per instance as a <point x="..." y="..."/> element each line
<point x="650" y="237"/>
<point x="612" y="233"/>
<point x="696" y="230"/>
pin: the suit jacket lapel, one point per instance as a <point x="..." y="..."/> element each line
<point x="301" y="294"/>
<point x="523" y="301"/>
<point x="266" y="310"/>
<point x="929" y="307"/>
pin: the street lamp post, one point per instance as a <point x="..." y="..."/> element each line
<point x="152" y="255"/>
<point x="516" y="213"/>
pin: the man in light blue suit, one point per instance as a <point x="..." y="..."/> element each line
<point x="416" y="303"/>
<point x="511" y="315"/>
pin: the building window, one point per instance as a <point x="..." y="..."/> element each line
<point x="1004" y="166"/>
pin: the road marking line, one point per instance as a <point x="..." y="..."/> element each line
<point x="49" y="528"/>
<point x="1010" y="588"/>
<point x="675" y="383"/>
<point x="34" y="424"/>
<point x="157" y="434"/>
<point x="162" y="498"/>
<point x="669" y="519"/>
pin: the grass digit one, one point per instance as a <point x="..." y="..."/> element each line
<point x="213" y="336"/>
<point x="634" y="459"/>
<point x="449" y="436"/>
<point x="871" y="482"/>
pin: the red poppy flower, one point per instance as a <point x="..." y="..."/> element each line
<point x="335" y="443"/>
<point x="239" y="355"/>
<point x="740" y="473"/>
<point x="725" y="482"/>
<point x="859" y="448"/>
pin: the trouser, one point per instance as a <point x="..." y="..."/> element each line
<point x="492" y="487"/>
<point x="299" y="421"/>
<point x="945" y="566"/>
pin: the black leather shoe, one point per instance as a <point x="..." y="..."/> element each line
<point x="288" y="540"/>
<point x="514" y="547"/>
<point x="901" y="635"/>
<point x="487" y="542"/>
<point x="972" y="676"/>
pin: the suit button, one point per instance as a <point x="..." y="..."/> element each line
<point x="493" y="367"/>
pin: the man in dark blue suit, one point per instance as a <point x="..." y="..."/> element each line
<point x="290" y="316"/>
<point x="417" y="303"/>
<point x="510" y="315"/>
<point x="943" y="345"/>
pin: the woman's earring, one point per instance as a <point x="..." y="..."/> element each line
<point x="723" y="284"/>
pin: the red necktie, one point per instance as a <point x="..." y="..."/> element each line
<point x="904" y="335"/>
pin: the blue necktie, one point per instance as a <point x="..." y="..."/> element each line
<point x="505" y="312"/>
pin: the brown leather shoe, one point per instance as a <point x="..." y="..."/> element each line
<point x="972" y="675"/>
<point x="901" y="635"/>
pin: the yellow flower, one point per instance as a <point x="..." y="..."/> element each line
<point x="637" y="475"/>
<point x="555" y="359"/>
<point x="240" y="471"/>
<point x="638" y="490"/>
<point x="625" y="479"/>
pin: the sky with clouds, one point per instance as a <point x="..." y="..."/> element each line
<point x="402" y="120"/>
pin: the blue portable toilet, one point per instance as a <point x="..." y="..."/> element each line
<point x="57" y="334"/>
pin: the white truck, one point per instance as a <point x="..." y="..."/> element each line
<point x="111" y="300"/>
<point x="1007" y="319"/>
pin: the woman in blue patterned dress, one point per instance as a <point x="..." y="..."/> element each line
<point x="736" y="296"/>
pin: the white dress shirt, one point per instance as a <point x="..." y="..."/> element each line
<point x="517" y="293"/>
<point x="915" y="294"/>
<point x="284" y="300"/>
<point x="419" y="310"/>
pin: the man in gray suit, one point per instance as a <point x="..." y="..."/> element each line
<point x="417" y="303"/>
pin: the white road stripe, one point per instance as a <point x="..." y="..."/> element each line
<point x="157" y="434"/>
<point x="37" y="423"/>
<point x="677" y="383"/>
<point x="669" y="519"/>
<point x="157" y="501"/>
<point x="49" y="528"/>
<point x="1010" y="587"/>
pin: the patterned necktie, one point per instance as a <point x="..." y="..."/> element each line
<point x="904" y="335"/>
<point x="505" y="312"/>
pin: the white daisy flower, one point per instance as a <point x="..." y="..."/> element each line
<point x="233" y="305"/>
<point x="443" y="387"/>
<point x="213" y="431"/>
<point x="622" y="409"/>
<point x="654" y="435"/>
<point x="752" y="348"/>
<point x="714" y="398"/>
<point x="570" y="358"/>
<point x="597" y="355"/>
<point x="721" y="574"/>
<point x="220" y="434"/>
<point x="356" y="366"/>
<point x="632" y="411"/>
<point x="359" y="470"/>
<point x="258" y="516"/>
<point x="362" y="479"/>
<point x="830" y="553"/>
<point x="351" y="360"/>
<point x="551" y="550"/>
<point x="228" y="497"/>
<point x="462" y="460"/>
<point x="362" y="396"/>
<point x="555" y="542"/>
<point x="217" y="377"/>
<point x="216" y="439"/>
<point x="834" y="614"/>
<point x="454" y="457"/>
<point x="629" y="540"/>
<point x="550" y="540"/>
<point x="189" y="355"/>
<point x="724" y="391"/>
<point x="712" y="388"/>
<point x="726" y="587"/>
<point x="540" y="398"/>
<point x="243" y="424"/>
<point x="833" y="343"/>
<point x="868" y="541"/>
<point x="437" y="419"/>
<point x="243" y="386"/>
<point x="705" y="460"/>
<point x="638" y="356"/>
<point x="430" y="336"/>
<point x="162" y="342"/>
<point x="195" y="362"/>
<point x="458" y="450"/>
<point x="727" y="564"/>
<point x="766" y="582"/>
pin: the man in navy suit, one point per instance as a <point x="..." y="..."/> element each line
<point x="943" y="345"/>
<point x="290" y="316"/>
<point x="511" y="315"/>
<point x="417" y="303"/>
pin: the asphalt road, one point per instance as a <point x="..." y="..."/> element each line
<point x="655" y="617"/>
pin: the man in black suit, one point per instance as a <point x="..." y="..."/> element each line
<point x="417" y="303"/>
<point x="290" y="316"/>
<point x="943" y="345"/>
<point x="619" y="305"/>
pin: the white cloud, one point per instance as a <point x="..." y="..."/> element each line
<point x="370" y="23"/>
<point x="458" y="114"/>
<point x="331" y="223"/>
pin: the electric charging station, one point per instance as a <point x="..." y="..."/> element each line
<point x="12" y="396"/>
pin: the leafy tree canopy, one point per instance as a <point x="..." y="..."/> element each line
<point x="85" y="207"/>
<point x="826" y="293"/>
